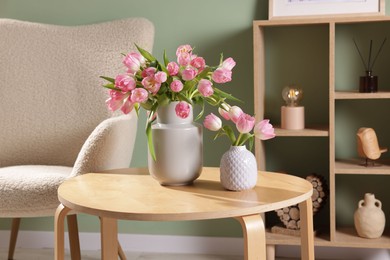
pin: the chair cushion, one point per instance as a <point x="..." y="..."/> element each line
<point x="30" y="190"/>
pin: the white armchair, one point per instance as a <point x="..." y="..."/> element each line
<point x="53" y="121"/>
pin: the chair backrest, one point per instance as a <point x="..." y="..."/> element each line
<point x="51" y="96"/>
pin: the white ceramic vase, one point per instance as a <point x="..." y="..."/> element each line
<point x="238" y="169"/>
<point x="369" y="218"/>
<point x="178" y="144"/>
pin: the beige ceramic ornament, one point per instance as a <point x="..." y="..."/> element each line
<point x="369" y="218"/>
<point x="368" y="147"/>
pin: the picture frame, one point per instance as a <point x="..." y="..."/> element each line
<point x="324" y="8"/>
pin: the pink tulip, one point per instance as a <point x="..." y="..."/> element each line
<point x="184" y="59"/>
<point x="228" y="64"/>
<point x="188" y="73"/>
<point x="148" y="72"/>
<point x="212" y="122"/>
<point x="176" y="85"/>
<point x="264" y="130"/>
<point x="205" y="87"/>
<point x="173" y="68"/>
<point x="133" y="62"/>
<point x="199" y="63"/>
<point x="115" y="101"/>
<point x="151" y="84"/>
<point x="125" y="82"/>
<point x="160" y="77"/>
<point x="222" y="75"/>
<point x="127" y="106"/>
<point x="234" y="113"/>
<point x="139" y="95"/>
<point x="182" y="109"/>
<point x="245" y="123"/>
<point x="183" y="48"/>
<point x="224" y="113"/>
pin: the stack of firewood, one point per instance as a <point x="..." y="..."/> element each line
<point x="320" y="191"/>
<point x="290" y="215"/>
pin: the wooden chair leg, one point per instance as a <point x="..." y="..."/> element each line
<point x="121" y="254"/>
<point x="13" y="237"/>
<point x="74" y="241"/>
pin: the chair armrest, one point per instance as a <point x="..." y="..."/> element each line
<point x="109" y="146"/>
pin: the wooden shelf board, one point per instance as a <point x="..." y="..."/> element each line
<point x="355" y="166"/>
<point x="307" y="132"/>
<point x="282" y="239"/>
<point x="347" y="237"/>
<point x="344" y="237"/>
<point x="358" y="95"/>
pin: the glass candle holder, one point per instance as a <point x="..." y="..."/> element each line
<point x="368" y="83"/>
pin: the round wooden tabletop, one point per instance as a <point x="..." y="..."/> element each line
<point x="133" y="194"/>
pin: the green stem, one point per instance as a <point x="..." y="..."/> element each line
<point x="237" y="142"/>
<point x="193" y="93"/>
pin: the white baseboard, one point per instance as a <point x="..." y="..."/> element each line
<point x="186" y="245"/>
<point x="135" y="242"/>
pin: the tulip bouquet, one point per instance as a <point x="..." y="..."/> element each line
<point x="244" y="124"/>
<point x="148" y="83"/>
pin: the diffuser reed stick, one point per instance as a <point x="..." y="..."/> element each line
<point x="369" y="66"/>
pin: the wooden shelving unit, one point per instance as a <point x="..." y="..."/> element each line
<point x="308" y="131"/>
<point x="334" y="235"/>
<point x="357" y="95"/>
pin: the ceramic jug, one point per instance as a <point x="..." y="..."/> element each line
<point x="369" y="218"/>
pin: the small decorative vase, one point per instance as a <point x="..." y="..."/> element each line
<point x="368" y="83"/>
<point x="238" y="169"/>
<point x="178" y="145"/>
<point x="369" y="218"/>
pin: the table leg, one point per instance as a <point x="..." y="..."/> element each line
<point x="109" y="238"/>
<point x="74" y="241"/>
<point x="271" y="252"/>
<point x="59" y="232"/>
<point x="254" y="237"/>
<point x="307" y="234"/>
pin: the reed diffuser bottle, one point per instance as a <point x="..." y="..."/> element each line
<point x="369" y="82"/>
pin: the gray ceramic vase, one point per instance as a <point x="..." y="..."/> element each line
<point x="178" y="145"/>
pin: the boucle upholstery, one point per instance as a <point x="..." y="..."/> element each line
<point x="31" y="190"/>
<point x="54" y="123"/>
<point x="49" y="85"/>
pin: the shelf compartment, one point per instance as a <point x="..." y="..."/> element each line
<point x="282" y="239"/>
<point x="307" y="132"/>
<point x="358" y="95"/>
<point x="355" y="166"/>
<point x="347" y="237"/>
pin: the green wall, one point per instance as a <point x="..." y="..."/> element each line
<point x="211" y="26"/>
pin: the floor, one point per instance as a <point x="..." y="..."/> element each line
<point x="47" y="254"/>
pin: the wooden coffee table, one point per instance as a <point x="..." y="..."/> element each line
<point x="132" y="194"/>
